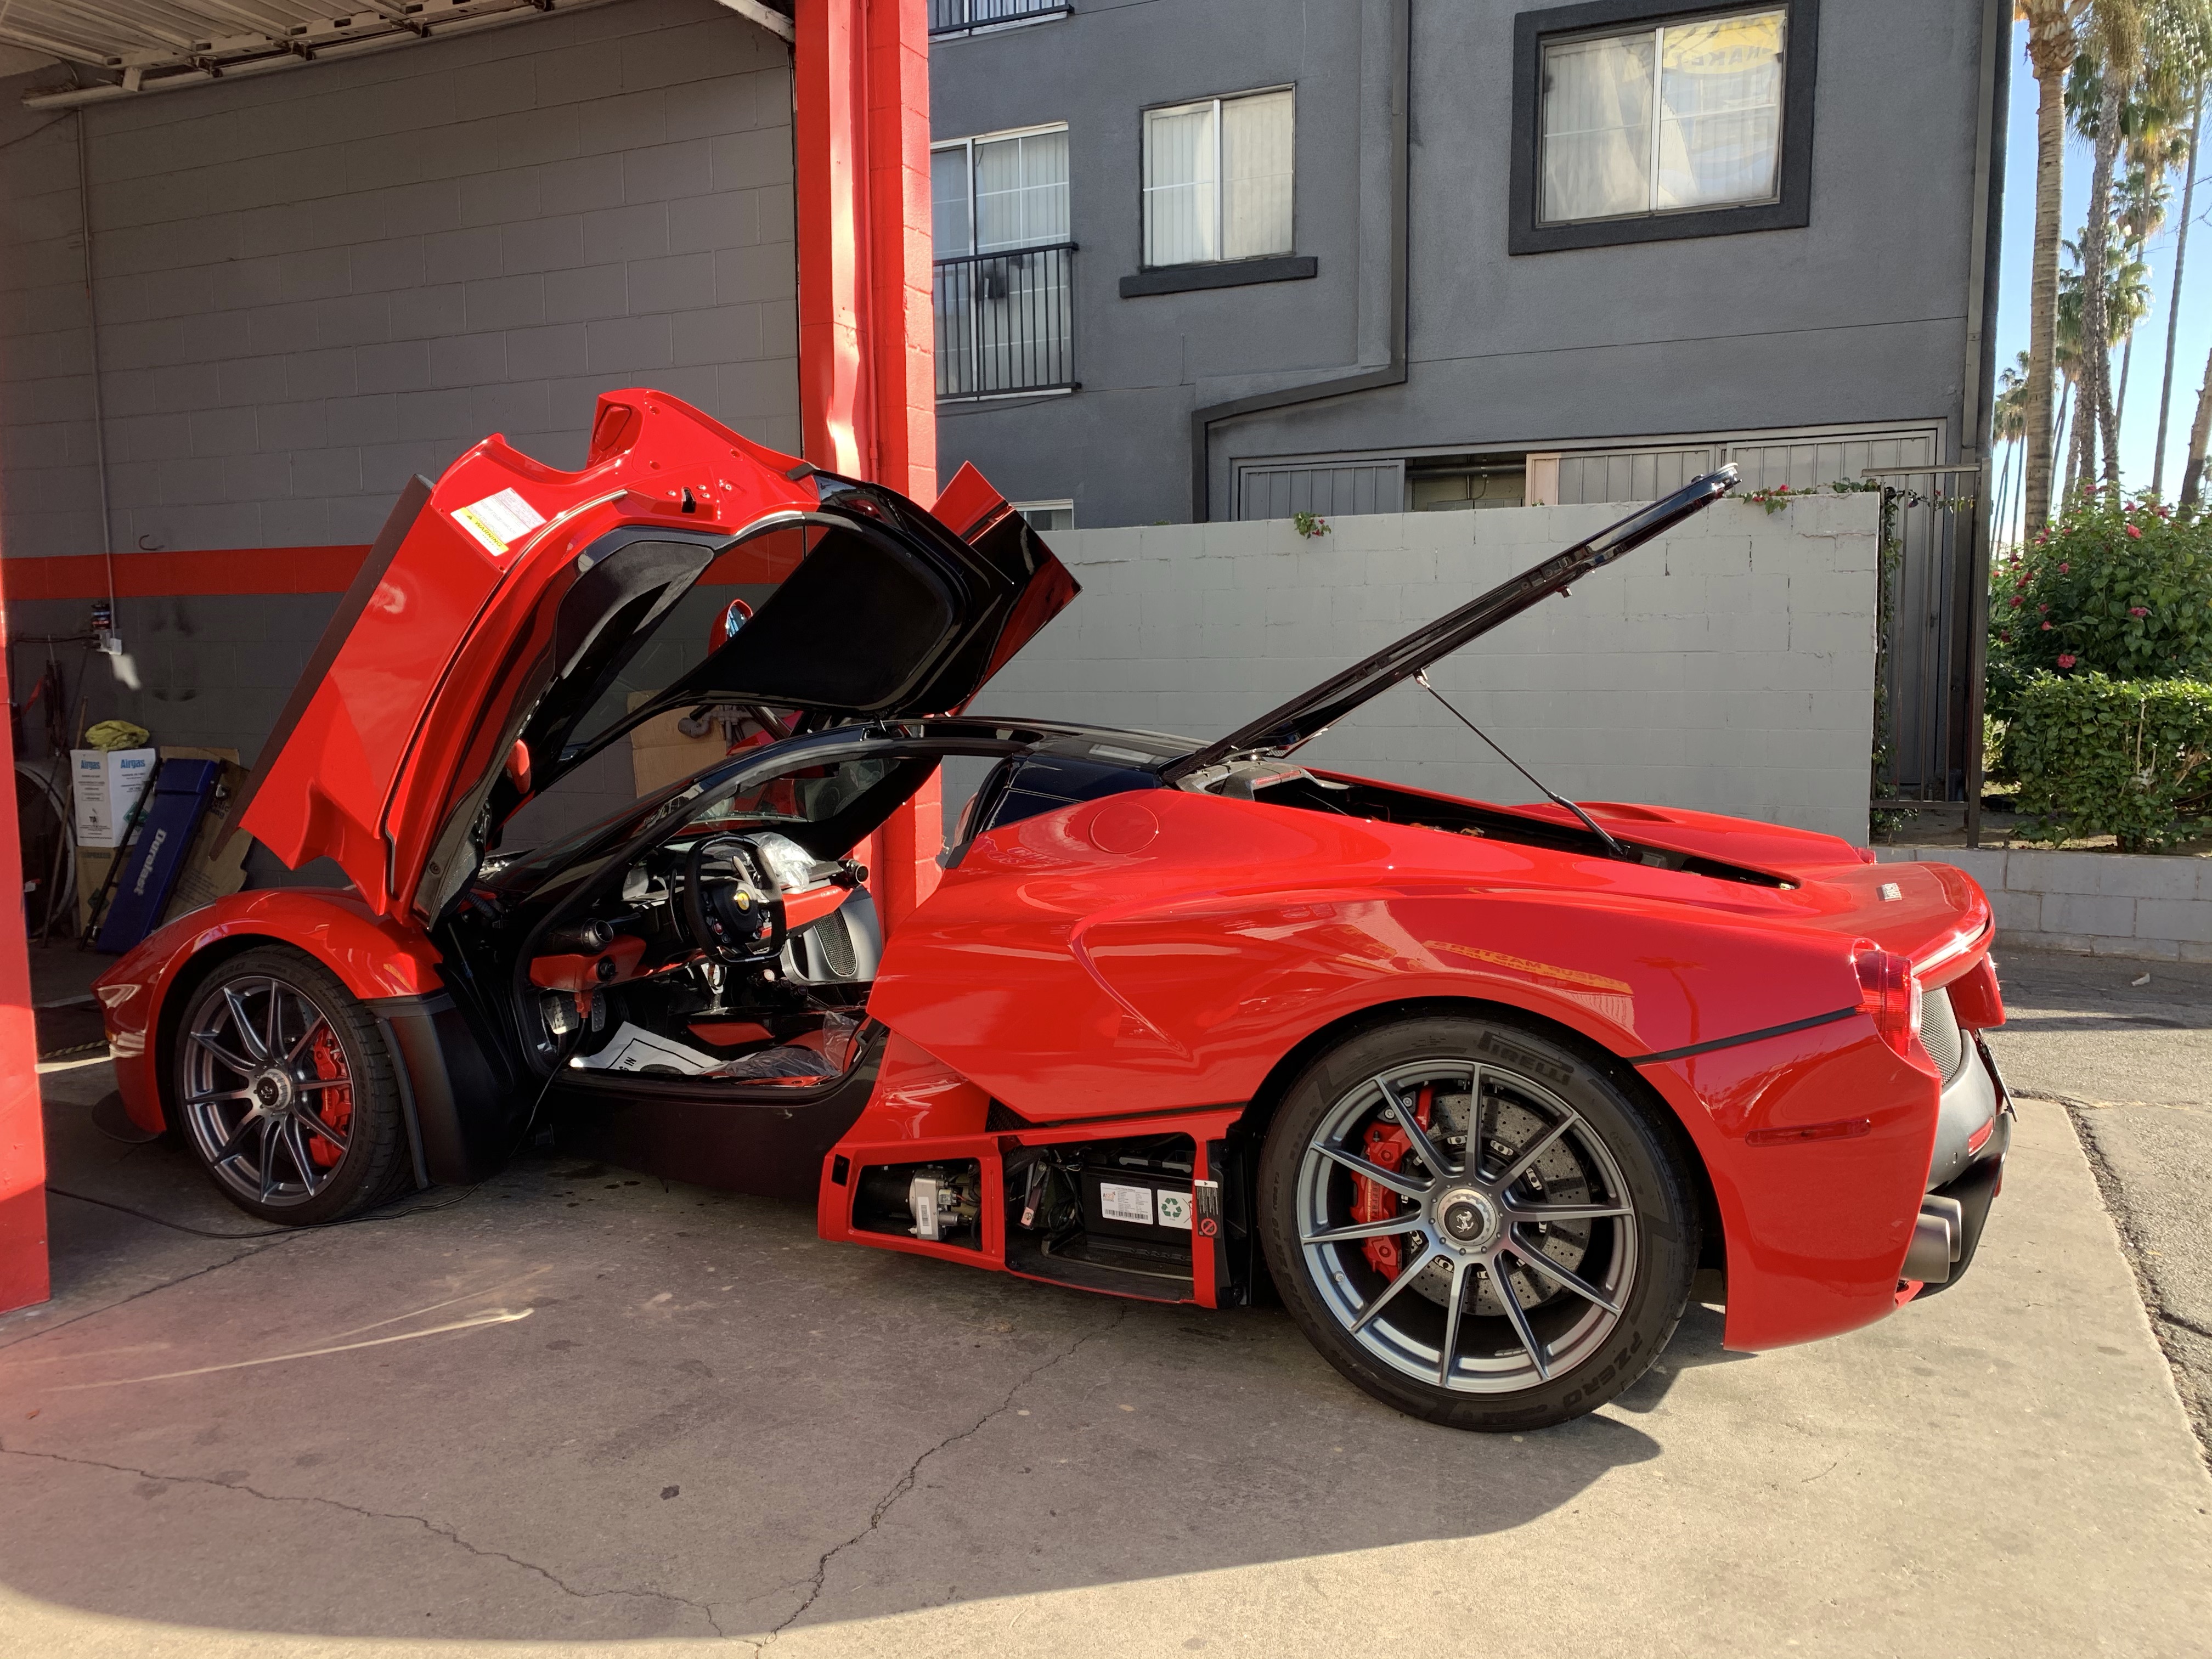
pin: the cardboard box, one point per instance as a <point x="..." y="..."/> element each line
<point x="108" y="783"/>
<point x="659" y="755"/>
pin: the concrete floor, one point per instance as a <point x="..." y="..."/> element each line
<point x="576" y="1412"/>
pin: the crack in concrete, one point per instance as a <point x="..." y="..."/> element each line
<point x="2196" y="1401"/>
<point x="428" y="1525"/>
<point x="167" y="1283"/>
<point x="905" y="1483"/>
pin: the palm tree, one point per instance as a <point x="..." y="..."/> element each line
<point x="2067" y="351"/>
<point x="2051" y="47"/>
<point x="2200" y="432"/>
<point x="2173" y="302"/>
<point x="2179" y="48"/>
<point x="2105" y="74"/>
<point x="2007" y="426"/>
<point x="2127" y="302"/>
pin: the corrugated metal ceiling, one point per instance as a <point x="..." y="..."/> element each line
<point x="124" y="48"/>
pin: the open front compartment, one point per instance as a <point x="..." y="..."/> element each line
<point x="940" y="1201"/>
<point x="1114" y="1215"/>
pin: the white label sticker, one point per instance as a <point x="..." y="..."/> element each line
<point x="1125" y="1203"/>
<point x="1174" y="1210"/>
<point x="499" y="521"/>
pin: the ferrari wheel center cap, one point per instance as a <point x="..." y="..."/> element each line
<point x="1468" y="1218"/>
<point x="272" y="1093"/>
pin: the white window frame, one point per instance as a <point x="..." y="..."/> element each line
<point x="1066" y="505"/>
<point x="1657" y="31"/>
<point x="969" y="145"/>
<point x="1220" y="182"/>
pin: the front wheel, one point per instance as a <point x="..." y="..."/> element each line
<point x="285" y="1092"/>
<point x="1475" y="1225"/>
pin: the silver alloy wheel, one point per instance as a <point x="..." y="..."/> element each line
<point x="260" y="1091"/>
<point x="1513" y="1223"/>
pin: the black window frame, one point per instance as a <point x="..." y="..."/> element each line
<point x="1792" y="210"/>
<point x="1196" y="274"/>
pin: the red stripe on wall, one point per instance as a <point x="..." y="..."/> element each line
<point x="214" y="570"/>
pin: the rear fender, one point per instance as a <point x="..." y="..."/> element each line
<point x="142" y="996"/>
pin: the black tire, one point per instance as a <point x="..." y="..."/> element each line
<point x="1565" y="1352"/>
<point x="299" y="1123"/>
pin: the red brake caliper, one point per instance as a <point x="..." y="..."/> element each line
<point x="1371" y="1200"/>
<point x="335" y="1106"/>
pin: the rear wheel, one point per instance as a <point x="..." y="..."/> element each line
<point x="284" y="1090"/>
<point x="1476" y="1225"/>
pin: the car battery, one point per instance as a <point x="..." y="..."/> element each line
<point x="1143" y="1198"/>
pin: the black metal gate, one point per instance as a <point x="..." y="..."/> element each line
<point x="1930" y="646"/>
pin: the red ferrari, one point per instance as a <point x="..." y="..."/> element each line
<point x="1474" y="1089"/>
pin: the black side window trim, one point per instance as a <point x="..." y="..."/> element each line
<point x="1793" y="211"/>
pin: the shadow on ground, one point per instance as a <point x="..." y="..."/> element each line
<point x="579" y="1403"/>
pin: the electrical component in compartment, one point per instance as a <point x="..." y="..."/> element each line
<point x="1123" y="1208"/>
<point x="941" y="1203"/>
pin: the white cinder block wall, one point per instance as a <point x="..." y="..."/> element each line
<point x="1729" y="668"/>
<point x="2097" y="904"/>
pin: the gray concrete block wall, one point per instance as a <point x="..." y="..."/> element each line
<point x="2092" y="903"/>
<point x="1729" y="668"/>
<point x="311" y="285"/>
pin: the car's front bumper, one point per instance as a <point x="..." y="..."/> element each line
<point x="1954" y="1211"/>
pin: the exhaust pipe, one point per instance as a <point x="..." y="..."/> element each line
<point x="1938" y="1237"/>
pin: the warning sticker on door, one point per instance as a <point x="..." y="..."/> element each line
<point x="1127" y="1203"/>
<point x="499" y="521"/>
<point x="1174" y="1210"/>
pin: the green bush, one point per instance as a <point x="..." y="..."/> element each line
<point x="2118" y="588"/>
<point x="2099" y="757"/>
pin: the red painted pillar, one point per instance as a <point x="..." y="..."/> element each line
<point x="23" y="1136"/>
<point x="867" y="381"/>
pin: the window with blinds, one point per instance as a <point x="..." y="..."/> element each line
<point x="989" y="194"/>
<point x="1681" y="116"/>
<point x="1218" y="177"/>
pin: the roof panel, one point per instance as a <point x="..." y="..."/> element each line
<point x="136" y="46"/>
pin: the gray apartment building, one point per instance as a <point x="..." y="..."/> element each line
<point x="1240" y="258"/>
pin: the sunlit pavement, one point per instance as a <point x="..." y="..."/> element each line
<point x="577" y="1412"/>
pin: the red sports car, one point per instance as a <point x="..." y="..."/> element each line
<point x="1473" y="1089"/>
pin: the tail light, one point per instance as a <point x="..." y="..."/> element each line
<point x="1889" y="992"/>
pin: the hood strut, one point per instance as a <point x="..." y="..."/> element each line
<point x="1309" y="714"/>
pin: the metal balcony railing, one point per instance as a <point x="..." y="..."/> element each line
<point x="959" y="16"/>
<point x="1005" y="322"/>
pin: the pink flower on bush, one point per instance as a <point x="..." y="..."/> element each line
<point x="2135" y="533"/>
<point x="2067" y="659"/>
<point x="2016" y="601"/>
<point x="2042" y="610"/>
<point x="2046" y="628"/>
<point x="2063" y="569"/>
<point x="2138" y="610"/>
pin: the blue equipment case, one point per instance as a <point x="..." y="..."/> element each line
<point x="181" y="792"/>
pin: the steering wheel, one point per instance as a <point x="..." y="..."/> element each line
<point x="736" y="919"/>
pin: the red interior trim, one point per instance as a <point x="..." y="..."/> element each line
<point x="211" y="570"/>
